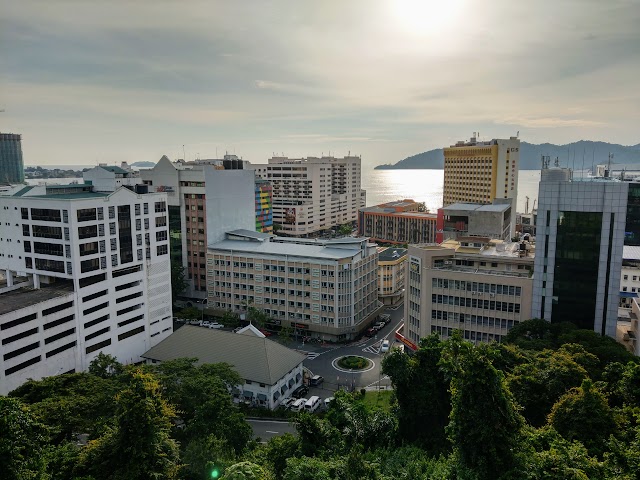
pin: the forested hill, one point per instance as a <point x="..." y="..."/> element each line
<point x="593" y="152"/>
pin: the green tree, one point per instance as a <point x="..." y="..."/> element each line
<point x="200" y="453"/>
<point x="22" y="442"/>
<point x="538" y="384"/>
<point x="306" y="468"/>
<point x="191" y="313"/>
<point x="276" y="452"/>
<point x="285" y="333"/>
<point x="345" y="229"/>
<point x="245" y="471"/>
<point x="317" y="436"/>
<point x="105" y="366"/>
<point x="257" y="316"/>
<point x="137" y="446"/>
<point x="178" y="281"/>
<point x="583" y="414"/>
<point x="485" y="427"/>
<point x="230" y="319"/>
<point x="421" y="390"/>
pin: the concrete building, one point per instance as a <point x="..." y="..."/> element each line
<point x="311" y="195"/>
<point x="579" y="236"/>
<point x="205" y="200"/>
<point x="11" y="163"/>
<point x="108" y="178"/>
<point x="480" y="172"/>
<point x="391" y="270"/>
<point x="629" y="276"/>
<point x="628" y="327"/>
<point x="84" y="272"/>
<point x="271" y="371"/>
<point x="264" y="206"/>
<point x="478" y="285"/>
<point x="322" y="288"/>
<point x="469" y="219"/>
<point x="397" y="222"/>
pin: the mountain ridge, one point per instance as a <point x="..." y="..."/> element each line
<point x="595" y="152"/>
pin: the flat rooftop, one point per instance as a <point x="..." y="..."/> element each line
<point x="28" y="296"/>
<point x="285" y="249"/>
<point x="476" y="207"/>
<point x="390" y="254"/>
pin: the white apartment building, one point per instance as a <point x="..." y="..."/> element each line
<point x="322" y="288"/>
<point x="205" y="201"/>
<point x="108" y="178"/>
<point x="629" y="276"/>
<point x="84" y="272"/>
<point x="314" y="194"/>
<point x="474" y="284"/>
<point x="391" y="271"/>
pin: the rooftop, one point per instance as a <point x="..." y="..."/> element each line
<point x="475" y="207"/>
<point x="114" y="169"/>
<point x="286" y="249"/>
<point x="28" y="296"/>
<point x="250" y="234"/>
<point x="390" y="254"/>
<point x="491" y="248"/>
<point x="254" y="358"/>
<point x="630" y="253"/>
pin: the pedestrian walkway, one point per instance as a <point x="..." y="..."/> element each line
<point x="312" y="355"/>
<point x="375" y="349"/>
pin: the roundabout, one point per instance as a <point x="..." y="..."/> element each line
<point x="353" y="364"/>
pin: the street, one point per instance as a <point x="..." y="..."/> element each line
<point x="266" y="429"/>
<point x="320" y="360"/>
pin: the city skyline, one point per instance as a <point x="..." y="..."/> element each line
<point x="383" y="80"/>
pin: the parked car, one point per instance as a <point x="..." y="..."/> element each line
<point x="312" y="404"/>
<point x="300" y="392"/>
<point x="385" y="347"/>
<point x="265" y="332"/>
<point x="298" y="405"/>
<point x="327" y="402"/>
<point x="316" y="381"/>
<point x="378" y="325"/>
<point x="287" y="402"/>
<point x="237" y="329"/>
<point x="215" y="325"/>
<point x="370" y="332"/>
<point x="204" y="323"/>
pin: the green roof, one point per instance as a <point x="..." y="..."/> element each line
<point x="19" y="193"/>
<point x="115" y="169"/>
<point x="72" y="196"/>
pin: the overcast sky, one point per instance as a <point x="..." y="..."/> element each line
<point x="93" y="81"/>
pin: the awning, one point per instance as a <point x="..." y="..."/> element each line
<point x="262" y="396"/>
<point x="247" y="394"/>
<point x="291" y="382"/>
<point x="628" y="294"/>
<point x="298" y="377"/>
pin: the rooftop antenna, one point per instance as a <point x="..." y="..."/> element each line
<point x="545" y="161"/>
<point x="184" y="155"/>
<point x="526" y="205"/>
<point x="556" y="162"/>
<point x="518" y="134"/>
<point x="584" y="152"/>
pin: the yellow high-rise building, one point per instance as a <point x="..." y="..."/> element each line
<point x="479" y="172"/>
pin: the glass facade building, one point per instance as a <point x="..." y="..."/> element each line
<point x="11" y="164"/>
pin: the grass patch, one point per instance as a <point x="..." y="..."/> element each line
<point x="354" y="362"/>
<point x="380" y="399"/>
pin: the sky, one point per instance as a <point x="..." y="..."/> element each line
<point x="110" y="81"/>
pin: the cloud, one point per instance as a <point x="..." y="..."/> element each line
<point x="548" y="122"/>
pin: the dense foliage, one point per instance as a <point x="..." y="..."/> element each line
<point x="553" y="402"/>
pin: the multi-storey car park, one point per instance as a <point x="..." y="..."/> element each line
<point x="83" y="272"/>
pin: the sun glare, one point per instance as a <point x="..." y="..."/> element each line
<point x="426" y="17"/>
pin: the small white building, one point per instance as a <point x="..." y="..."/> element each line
<point x="108" y="178"/>
<point x="270" y="371"/>
<point x="629" y="276"/>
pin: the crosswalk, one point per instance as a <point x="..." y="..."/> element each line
<point x="374" y="349"/>
<point x="310" y="355"/>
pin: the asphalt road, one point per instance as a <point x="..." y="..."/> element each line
<point x="321" y="360"/>
<point x="266" y="429"/>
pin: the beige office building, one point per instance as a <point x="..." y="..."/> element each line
<point x="391" y="271"/>
<point x="322" y="288"/>
<point x="480" y="286"/>
<point x="312" y="194"/>
<point x="479" y="172"/>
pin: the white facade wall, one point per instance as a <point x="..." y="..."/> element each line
<point x="314" y="194"/>
<point x="107" y="181"/>
<point x="276" y="393"/>
<point x="121" y="308"/>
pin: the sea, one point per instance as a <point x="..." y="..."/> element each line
<point x="388" y="185"/>
<point x="427" y="185"/>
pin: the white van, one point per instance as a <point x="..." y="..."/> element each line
<point x="298" y="405"/>
<point x="312" y="404"/>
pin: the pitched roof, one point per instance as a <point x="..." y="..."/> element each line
<point x="251" y="330"/>
<point x="256" y="359"/>
<point x="114" y="169"/>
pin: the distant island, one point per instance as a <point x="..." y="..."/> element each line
<point x="39" y="172"/>
<point x="143" y="164"/>
<point x="595" y="153"/>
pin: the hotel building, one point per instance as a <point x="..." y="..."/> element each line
<point x="312" y="194"/>
<point x="479" y="172"/>
<point x="83" y="272"/>
<point x="204" y="201"/>
<point x="478" y="285"/>
<point x="322" y="288"/>
<point x="397" y="222"/>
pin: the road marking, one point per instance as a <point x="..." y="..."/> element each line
<point x="372" y="349"/>
<point x="269" y="431"/>
<point x="312" y="355"/>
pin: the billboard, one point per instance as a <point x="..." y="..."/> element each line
<point x="290" y="215"/>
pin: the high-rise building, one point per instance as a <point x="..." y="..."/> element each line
<point x="205" y="200"/>
<point x="311" y="195"/>
<point x="391" y="272"/>
<point x="397" y="222"/>
<point x="479" y="172"/>
<point x="326" y="289"/>
<point x="11" y="164"/>
<point x="83" y="272"/>
<point x="478" y="285"/>
<point x="580" y="235"/>
<point x="264" y="206"/>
